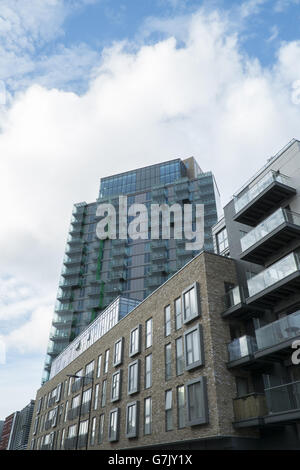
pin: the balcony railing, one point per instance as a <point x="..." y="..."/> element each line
<point x="76" y="385"/>
<point x="82" y="440"/>
<point x="276" y="272"/>
<point x="250" y="406"/>
<point x="232" y="297"/>
<point x="70" y="443"/>
<point x="245" y="198"/>
<point x="283" y="398"/>
<point x="73" y="413"/>
<point x="268" y="226"/>
<point x="278" y="331"/>
<point x="241" y="347"/>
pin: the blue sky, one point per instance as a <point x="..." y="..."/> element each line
<point x="94" y="87"/>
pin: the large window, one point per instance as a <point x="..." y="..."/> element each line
<point x="103" y="393"/>
<point x="132" y="419"/>
<point x="148" y="371"/>
<point x="180" y="406"/>
<point x="134" y="341"/>
<point x="190" y="303"/>
<point x="96" y="396"/>
<point x="148" y="416"/>
<point x="178" y="314"/>
<point x="167" y="320"/>
<point x="101" y="429"/>
<point x="118" y="352"/>
<point x="168" y="410"/>
<point x="148" y="333"/>
<point x="196" y="402"/>
<point x="193" y="346"/>
<point x="106" y="360"/>
<point x="89" y="370"/>
<point x="93" y="431"/>
<point x="113" y="430"/>
<point x="99" y="366"/>
<point x="179" y="356"/>
<point x="168" y="361"/>
<point x="222" y="240"/>
<point x="133" y="377"/>
<point x="116" y="386"/>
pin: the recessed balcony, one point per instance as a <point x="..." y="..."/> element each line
<point x="241" y="351"/>
<point x="235" y="304"/>
<point x="277" y="282"/>
<point x="274" y="340"/>
<point x="256" y="202"/>
<point x="249" y="410"/>
<point x="283" y="403"/>
<point x="270" y="236"/>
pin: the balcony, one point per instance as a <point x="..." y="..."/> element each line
<point x="68" y="261"/>
<point x="70" y="282"/>
<point x="118" y="263"/>
<point x="241" y="351"/>
<point x="48" y="424"/>
<point x="74" y="240"/>
<point x="276" y="338"/>
<point x="154" y="281"/>
<point x="66" y="271"/>
<point x="65" y="295"/>
<point x="62" y="320"/>
<point x="55" y="349"/>
<point x="157" y="268"/>
<point x="114" y="288"/>
<point x="74" y="249"/>
<point x="256" y="202"/>
<point x="275" y="283"/>
<point x="60" y="336"/>
<point x="158" y="245"/>
<point x="283" y="403"/>
<point x="249" y="410"/>
<point x="270" y="236"/>
<point x="70" y="443"/>
<point x="82" y="440"/>
<point x="119" y="251"/>
<point x="235" y="304"/>
<point x="117" y="275"/>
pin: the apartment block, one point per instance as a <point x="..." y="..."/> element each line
<point x="155" y="378"/>
<point x="261" y="231"/>
<point x="95" y="271"/>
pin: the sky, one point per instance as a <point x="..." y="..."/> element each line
<point x="89" y="88"/>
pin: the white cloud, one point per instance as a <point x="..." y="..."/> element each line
<point x="274" y="31"/>
<point x="282" y="5"/>
<point x="145" y="105"/>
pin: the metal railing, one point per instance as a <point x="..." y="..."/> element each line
<point x="276" y="272"/>
<point x="283" y="398"/>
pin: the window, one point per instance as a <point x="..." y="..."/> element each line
<point x="101" y="429"/>
<point x="72" y="431"/>
<point x="222" y="240"/>
<point x="86" y="398"/>
<point x="103" y="393"/>
<point x="193" y="345"/>
<point x="96" y="397"/>
<point x="62" y="438"/>
<point x="168" y="362"/>
<point x="89" y="370"/>
<point x="167" y="320"/>
<point x="179" y="356"/>
<point x="196" y="402"/>
<point x="148" y="371"/>
<point x="134" y="341"/>
<point x="83" y="427"/>
<point x="106" y="359"/>
<point x="99" y="366"/>
<point x="148" y="333"/>
<point x="242" y="388"/>
<point x="69" y="387"/>
<point x="118" y="352"/>
<point x="93" y="432"/>
<point x="190" y="303"/>
<point x="178" y="314"/>
<point x="133" y="377"/>
<point x="168" y="410"/>
<point x="132" y="419"/>
<point x="66" y="410"/>
<point x="148" y="416"/>
<point x="75" y="401"/>
<point x="36" y="424"/>
<point x="180" y="407"/>
<point x="113" y="434"/>
<point x="116" y="386"/>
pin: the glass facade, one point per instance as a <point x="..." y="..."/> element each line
<point x="95" y="272"/>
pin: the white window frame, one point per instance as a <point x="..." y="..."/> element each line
<point x="118" y="352"/>
<point x="190" y="317"/>
<point x="133" y="432"/>
<point x="199" y="338"/>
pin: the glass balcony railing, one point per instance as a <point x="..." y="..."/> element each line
<point x="283" y="398"/>
<point x="250" y="406"/>
<point x="278" y="331"/>
<point x="241" y="201"/>
<point x="241" y="347"/>
<point x="276" y="272"/>
<point x="232" y="297"/>
<point x="268" y="225"/>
